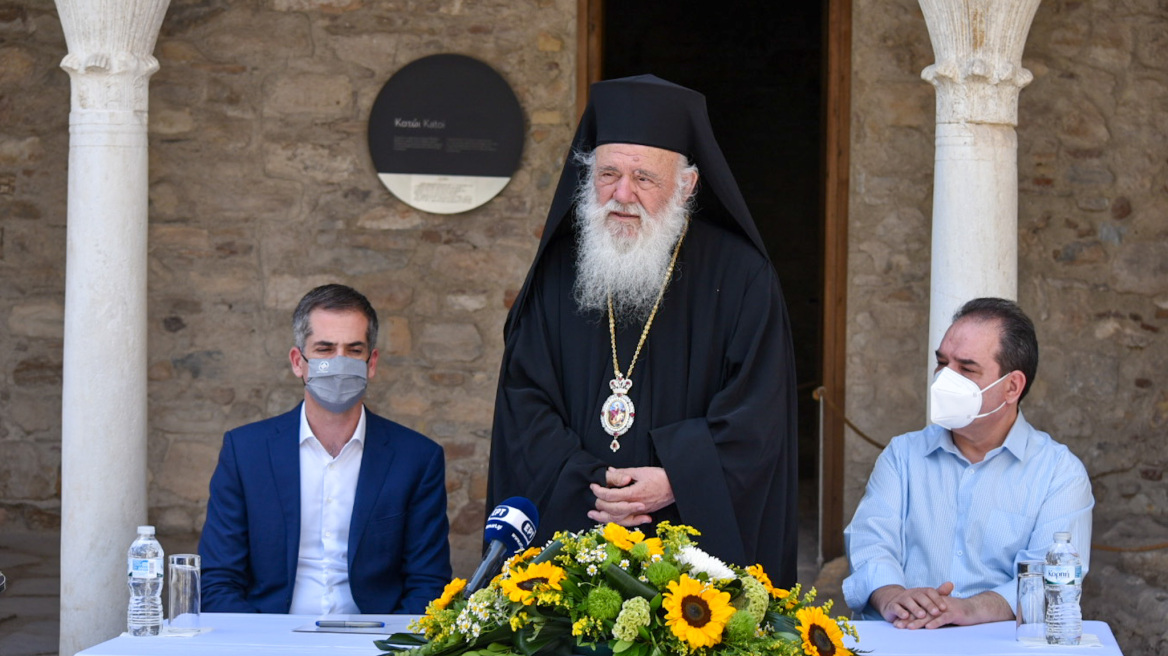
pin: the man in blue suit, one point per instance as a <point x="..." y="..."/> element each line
<point x="328" y="508"/>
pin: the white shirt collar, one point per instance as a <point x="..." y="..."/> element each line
<point x="306" y="430"/>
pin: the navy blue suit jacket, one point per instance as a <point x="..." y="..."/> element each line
<point x="399" y="553"/>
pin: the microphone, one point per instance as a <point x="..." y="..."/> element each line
<point x="509" y="530"/>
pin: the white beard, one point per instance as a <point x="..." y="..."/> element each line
<point x="628" y="262"/>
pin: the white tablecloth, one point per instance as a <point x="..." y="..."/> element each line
<point x="883" y="639"/>
<point x="244" y="634"/>
<point x="261" y="635"/>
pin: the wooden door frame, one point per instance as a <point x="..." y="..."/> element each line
<point x="837" y="126"/>
<point x="837" y="149"/>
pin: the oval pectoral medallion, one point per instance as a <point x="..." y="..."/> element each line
<point x="617" y="413"/>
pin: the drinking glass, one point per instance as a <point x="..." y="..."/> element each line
<point x="1030" y="614"/>
<point x="185" y="596"/>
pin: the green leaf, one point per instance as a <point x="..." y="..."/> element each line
<point x="782" y="623"/>
<point x="399" y="641"/>
<point x="568" y="586"/>
<point x="621" y="645"/>
<point x="534" y="639"/>
<point x="549" y="552"/>
<point x="626" y="584"/>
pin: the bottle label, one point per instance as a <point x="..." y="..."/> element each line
<point x="1062" y="574"/>
<point x="145" y="568"/>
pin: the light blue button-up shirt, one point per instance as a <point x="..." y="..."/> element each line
<point x="929" y="515"/>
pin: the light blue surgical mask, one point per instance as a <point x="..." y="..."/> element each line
<point x="337" y="383"/>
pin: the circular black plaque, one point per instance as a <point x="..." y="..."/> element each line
<point x="446" y="133"/>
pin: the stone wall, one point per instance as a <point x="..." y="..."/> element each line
<point x="261" y="187"/>
<point x="1093" y="265"/>
<point x="34" y="143"/>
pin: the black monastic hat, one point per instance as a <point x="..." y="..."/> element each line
<point x="649" y="111"/>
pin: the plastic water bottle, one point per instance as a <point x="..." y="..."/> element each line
<point x="144" y="576"/>
<point x="1063" y="577"/>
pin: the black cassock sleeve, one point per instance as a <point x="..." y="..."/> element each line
<point x="534" y="452"/>
<point x="734" y="470"/>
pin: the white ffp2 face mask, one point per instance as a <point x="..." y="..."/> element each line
<point x="954" y="400"/>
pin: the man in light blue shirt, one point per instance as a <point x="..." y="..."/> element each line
<point x="949" y="511"/>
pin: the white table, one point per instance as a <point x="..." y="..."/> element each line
<point x="249" y="634"/>
<point x="261" y="635"/>
<point x="997" y="638"/>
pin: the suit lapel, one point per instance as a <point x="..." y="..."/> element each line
<point x="376" y="461"/>
<point x="284" y="449"/>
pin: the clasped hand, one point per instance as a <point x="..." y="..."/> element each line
<point x="931" y="608"/>
<point x="630" y="494"/>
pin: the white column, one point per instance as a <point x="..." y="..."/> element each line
<point x="103" y="416"/>
<point x="978" y="75"/>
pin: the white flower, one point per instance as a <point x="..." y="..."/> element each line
<point x="594" y="555"/>
<point x="701" y="562"/>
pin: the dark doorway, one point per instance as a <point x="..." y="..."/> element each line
<point x="760" y="66"/>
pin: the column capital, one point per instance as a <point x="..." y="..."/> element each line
<point x="978" y="49"/>
<point x="110" y="82"/>
<point x="110" y="57"/>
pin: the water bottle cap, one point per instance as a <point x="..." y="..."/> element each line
<point x="1062" y="536"/>
<point x="148" y="530"/>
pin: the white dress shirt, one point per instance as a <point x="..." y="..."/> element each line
<point x="929" y="515"/>
<point x="327" y="488"/>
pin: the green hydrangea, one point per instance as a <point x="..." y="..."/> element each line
<point x="740" y="627"/>
<point x="754" y="598"/>
<point x="640" y="551"/>
<point x="662" y="572"/>
<point x="603" y="603"/>
<point x="634" y="614"/>
<point x="614" y="553"/>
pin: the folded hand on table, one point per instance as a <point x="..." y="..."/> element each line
<point x="931" y="608"/>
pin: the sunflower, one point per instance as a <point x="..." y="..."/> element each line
<point x="520" y="558"/>
<point x="621" y="536"/>
<point x="453" y="588"/>
<point x="696" y="612"/>
<point x="513" y="562"/>
<point x="821" y="636"/>
<point x="526" y="582"/>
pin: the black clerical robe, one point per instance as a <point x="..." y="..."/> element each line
<point x="714" y="390"/>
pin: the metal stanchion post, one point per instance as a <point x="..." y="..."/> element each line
<point x="819" y="483"/>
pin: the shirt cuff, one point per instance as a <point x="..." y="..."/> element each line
<point x="861" y="584"/>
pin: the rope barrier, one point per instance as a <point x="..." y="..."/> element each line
<point x="820" y="394"/>
<point x="1149" y="547"/>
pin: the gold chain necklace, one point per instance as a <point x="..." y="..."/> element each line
<point x="617" y="413"/>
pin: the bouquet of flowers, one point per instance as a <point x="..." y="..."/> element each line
<point x="610" y="589"/>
